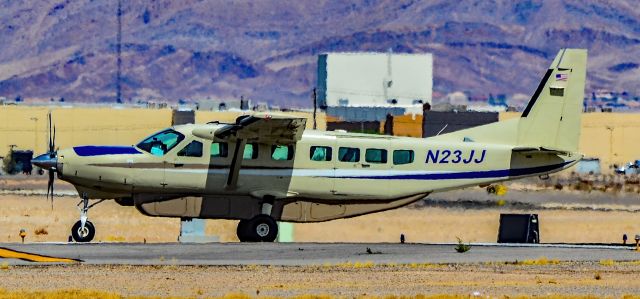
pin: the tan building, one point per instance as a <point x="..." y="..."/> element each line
<point x="612" y="137"/>
<point x="26" y="126"/>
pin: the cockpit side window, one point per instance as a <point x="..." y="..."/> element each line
<point x="161" y="143"/>
<point x="193" y="149"/>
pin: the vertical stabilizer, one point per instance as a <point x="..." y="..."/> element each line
<point x="552" y="117"/>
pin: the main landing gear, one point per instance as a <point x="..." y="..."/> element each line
<point x="261" y="228"/>
<point x="83" y="231"/>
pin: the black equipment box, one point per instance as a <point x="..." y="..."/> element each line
<point x="519" y="228"/>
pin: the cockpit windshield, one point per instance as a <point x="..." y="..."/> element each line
<point x="161" y="143"/>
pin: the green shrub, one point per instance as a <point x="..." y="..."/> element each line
<point x="461" y="247"/>
<point x="8" y="165"/>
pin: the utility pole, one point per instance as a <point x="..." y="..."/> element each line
<point x="119" y="55"/>
<point x="315" y="109"/>
<point x="610" y="128"/>
<point x="35" y="134"/>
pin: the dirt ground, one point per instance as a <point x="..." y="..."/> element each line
<point x="471" y="214"/>
<point x="115" y="223"/>
<point x="596" y="279"/>
<point x="589" y="218"/>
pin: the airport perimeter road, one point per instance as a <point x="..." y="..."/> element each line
<point x="310" y="253"/>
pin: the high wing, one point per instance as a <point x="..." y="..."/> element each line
<point x="261" y="128"/>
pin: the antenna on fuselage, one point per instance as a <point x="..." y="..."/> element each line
<point x="445" y="126"/>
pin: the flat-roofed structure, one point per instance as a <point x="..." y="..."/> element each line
<point x="387" y="80"/>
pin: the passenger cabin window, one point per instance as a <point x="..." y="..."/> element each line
<point x="349" y="154"/>
<point x="320" y="153"/>
<point x="401" y="157"/>
<point x="161" y="143"/>
<point x="281" y="152"/>
<point x="193" y="149"/>
<point x="250" y="151"/>
<point x="375" y="155"/>
<point x="219" y="150"/>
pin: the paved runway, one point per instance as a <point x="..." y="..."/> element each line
<point x="310" y="253"/>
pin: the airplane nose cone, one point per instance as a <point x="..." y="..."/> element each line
<point x="44" y="161"/>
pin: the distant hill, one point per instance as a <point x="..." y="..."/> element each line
<point x="266" y="50"/>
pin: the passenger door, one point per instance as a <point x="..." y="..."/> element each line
<point x="316" y="168"/>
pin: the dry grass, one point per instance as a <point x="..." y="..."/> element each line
<point x="81" y="294"/>
<point x="114" y="223"/>
<point x="542" y="261"/>
<point x="115" y="238"/>
<point x="344" y="281"/>
<point x="473" y="225"/>
<point x="607" y="262"/>
<point x="372" y="265"/>
<point x="63" y="294"/>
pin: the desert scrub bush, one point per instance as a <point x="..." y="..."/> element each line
<point x="8" y="165"/>
<point x="461" y="247"/>
<point x="41" y="231"/>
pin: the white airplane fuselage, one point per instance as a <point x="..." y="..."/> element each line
<point x="265" y="168"/>
<point x="420" y="167"/>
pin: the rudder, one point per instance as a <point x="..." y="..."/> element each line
<point x="552" y="116"/>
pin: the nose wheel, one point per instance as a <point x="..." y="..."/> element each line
<point x="83" y="230"/>
<point x="82" y="233"/>
<point x="261" y="228"/>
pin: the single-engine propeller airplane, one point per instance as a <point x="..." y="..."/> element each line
<point x="266" y="168"/>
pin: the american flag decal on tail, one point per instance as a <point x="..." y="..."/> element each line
<point x="562" y="77"/>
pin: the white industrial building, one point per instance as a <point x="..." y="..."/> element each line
<point x="382" y="80"/>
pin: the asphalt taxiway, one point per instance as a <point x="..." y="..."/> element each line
<point x="298" y="254"/>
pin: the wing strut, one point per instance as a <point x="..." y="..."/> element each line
<point x="236" y="163"/>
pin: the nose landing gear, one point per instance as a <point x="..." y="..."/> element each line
<point x="83" y="230"/>
<point x="83" y="233"/>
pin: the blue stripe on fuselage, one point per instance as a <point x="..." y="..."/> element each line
<point x="465" y="175"/>
<point x="90" y="150"/>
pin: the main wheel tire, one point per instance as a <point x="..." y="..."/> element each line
<point x="242" y="231"/>
<point x="263" y="228"/>
<point x="83" y="235"/>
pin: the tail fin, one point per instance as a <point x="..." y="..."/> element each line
<point x="551" y="120"/>
<point x="552" y="117"/>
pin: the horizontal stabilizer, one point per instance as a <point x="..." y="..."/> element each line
<point x="539" y="150"/>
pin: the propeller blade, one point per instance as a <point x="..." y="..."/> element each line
<point x="52" y="155"/>
<point x="52" y="152"/>
<point x="50" y="135"/>
<point x="50" y="186"/>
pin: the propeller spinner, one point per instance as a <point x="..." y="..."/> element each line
<point x="49" y="161"/>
